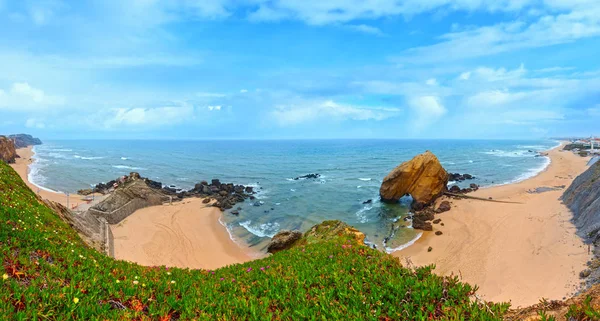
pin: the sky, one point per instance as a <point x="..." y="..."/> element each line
<point x="284" y="69"/>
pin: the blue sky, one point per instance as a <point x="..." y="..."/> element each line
<point x="300" y="68"/>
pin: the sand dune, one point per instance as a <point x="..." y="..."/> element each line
<point x="518" y="252"/>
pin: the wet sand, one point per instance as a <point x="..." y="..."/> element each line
<point x="513" y="252"/>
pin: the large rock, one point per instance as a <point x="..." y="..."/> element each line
<point x="8" y="152"/>
<point x="423" y="178"/>
<point x="283" y="240"/>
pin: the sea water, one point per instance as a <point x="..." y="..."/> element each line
<point x="351" y="172"/>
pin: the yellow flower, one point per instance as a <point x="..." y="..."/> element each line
<point x="4" y="276"/>
<point x="75" y="300"/>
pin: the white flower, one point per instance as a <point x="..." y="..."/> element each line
<point x="136" y="282"/>
<point x="172" y="281"/>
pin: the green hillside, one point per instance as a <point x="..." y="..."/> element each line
<point x="50" y="274"/>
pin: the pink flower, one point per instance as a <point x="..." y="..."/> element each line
<point x="222" y="279"/>
<point x="249" y="269"/>
<point x="232" y="280"/>
<point x="262" y="268"/>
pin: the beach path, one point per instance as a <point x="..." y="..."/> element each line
<point x="513" y="252"/>
<point x="186" y="234"/>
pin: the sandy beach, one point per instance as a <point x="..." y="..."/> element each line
<point x="513" y="252"/>
<point x="187" y="234"/>
<point x="21" y="166"/>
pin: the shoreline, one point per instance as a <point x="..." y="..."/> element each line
<point x="215" y="247"/>
<point x="513" y="252"/>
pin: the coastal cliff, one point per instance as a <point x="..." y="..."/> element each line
<point x="24" y="140"/>
<point x="8" y="153"/>
<point x="583" y="198"/>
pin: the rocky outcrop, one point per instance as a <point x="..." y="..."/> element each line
<point x="283" y="240"/>
<point x="24" y="140"/>
<point x="132" y="193"/>
<point x="423" y="178"/>
<point x="307" y="176"/>
<point x="457" y="177"/>
<point x="8" y="153"/>
<point x="325" y="231"/>
<point x="583" y="198"/>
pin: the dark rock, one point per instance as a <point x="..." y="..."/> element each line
<point x="444" y="207"/>
<point x="223" y="193"/>
<point x="235" y="212"/>
<point x="436" y="221"/>
<point x="438" y="233"/>
<point x="474" y="186"/>
<point x="459" y="177"/>
<point x="419" y="224"/>
<point x="85" y="192"/>
<point x="204" y="183"/>
<point x="215" y="182"/>
<point x="258" y="203"/>
<point x="315" y="175"/>
<point x="585" y="273"/>
<point x="248" y="189"/>
<point x="454" y="189"/>
<point x="153" y="184"/>
<point x="429" y="249"/>
<point x="206" y="201"/>
<point x="252" y="198"/>
<point x="368" y="201"/>
<point x="239" y="208"/>
<point x="283" y="240"/>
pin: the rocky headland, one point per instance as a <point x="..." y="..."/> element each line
<point x="8" y="152"/>
<point x="24" y="140"/>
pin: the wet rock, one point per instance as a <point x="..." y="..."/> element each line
<point x="585" y="273"/>
<point x="249" y="189"/>
<point x="438" y="233"/>
<point x="459" y="177"/>
<point x="473" y="186"/>
<point x="283" y="240"/>
<point x="369" y="201"/>
<point x="215" y="182"/>
<point x="312" y="175"/>
<point x="235" y="212"/>
<point x="437" y="221"/>
<point x="455" y="189"/>
<point x="206" y="201"/>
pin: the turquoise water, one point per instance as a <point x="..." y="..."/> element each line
<point x="351" y="173"/>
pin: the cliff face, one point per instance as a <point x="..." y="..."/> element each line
<point x="583" y="198"/>
<point x="24" y="140"/>
<point x="7" y="150"/>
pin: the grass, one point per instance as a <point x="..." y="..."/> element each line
<point x="50" y="274"/>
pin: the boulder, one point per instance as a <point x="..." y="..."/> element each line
<point x="85" y="192"/>
<point x="444" y="207"/>
<point x="423" y="178"/>
<point x="419" y="224"/>
<point x="369" y="201"/>
<point x="283" y="240"/>
<point x="206" y="200"/>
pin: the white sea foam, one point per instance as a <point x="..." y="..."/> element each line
<point x="262" y="230"/>
<point x="530" y="146"/>
<point x="405" y="245"/>
<point x="60" y="150"/>
<point x="512" y="153"/>
<point x="124" y="158"/>
<point x="365" y="179"/>
<point x="470" y="161"/>
<point x="34" y="176"/>
<point x="532" y="172"/>
<point x="292" y="190"/>
<point x="87" y="158"/>
<point x="361" y="214"/>
<point x="128" y="167"/>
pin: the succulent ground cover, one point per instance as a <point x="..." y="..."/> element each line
<point x="48" y="273"/>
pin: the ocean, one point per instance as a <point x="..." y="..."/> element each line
<point x="351" y="173"/>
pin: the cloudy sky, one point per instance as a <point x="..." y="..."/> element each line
<point x="300" y="68"/>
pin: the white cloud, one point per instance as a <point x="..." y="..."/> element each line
<point x="329" y="110"/>
<point x="22" y="97"/>
<point x="211" y="108"/>
<point x="427" y="110"/>
<point x="366" y="29"/>
<point x="547" y="30"/>
<point x="431" y="82"/>
<point x="35" y="123"/>
<point x="243" y="91"/>
<point x="148" y="117"/>
<point x="494" y="98"/>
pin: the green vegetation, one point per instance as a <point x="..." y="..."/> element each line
<point x="50" y="274"/>
<point x="584" y="311"/>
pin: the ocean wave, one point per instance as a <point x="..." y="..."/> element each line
<point x="405" y="245"/>
<point x="365" y="179"/>
<point x="531" y="146"/>
<point x="59" y="150"/>
<point x="34" y="175"/>
<point x="532" y="172"/>
<point x="262" y="230"/>
<point x="87" y="158"/>
<point x="124" y="158"/>
<point x="514" y="153"/>
<point x="127" y="167"/>
<point x="54" y="155"/>
<point x="361" y="213"/>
